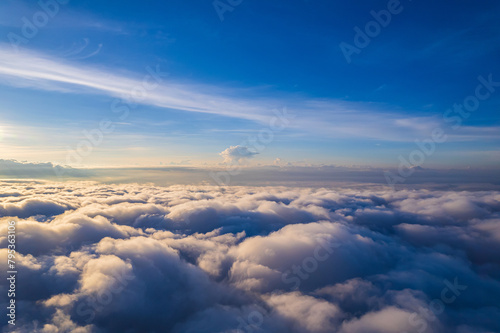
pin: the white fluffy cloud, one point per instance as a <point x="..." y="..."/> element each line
<point x="237" y="154"/>
<point x="135" y="258"/>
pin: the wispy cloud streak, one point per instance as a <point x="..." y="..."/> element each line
<point x="326" y="117"/>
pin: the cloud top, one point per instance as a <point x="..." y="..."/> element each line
<point x="237" y="154"/>
<point x="134" y="258"/>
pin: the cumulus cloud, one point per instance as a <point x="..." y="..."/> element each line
<point x="237" y="154"/>
<point x="140" y="258"/>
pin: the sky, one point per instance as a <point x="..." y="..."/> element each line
<point x="223" y="166"/>
<point x="299" y="82"/>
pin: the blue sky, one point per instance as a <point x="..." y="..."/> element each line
<point x="225" y="78"/>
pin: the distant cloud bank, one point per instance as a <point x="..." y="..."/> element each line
<point x="43" y="170"/>
<point x="139" y="258"/>
<point x="236" y="171"/>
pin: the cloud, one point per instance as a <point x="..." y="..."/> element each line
<point x="32" y="69"/>
<point x="94" y="257"/>
<point x="19" y="169"/>
<point x="284" y="174"/>
<point x="237" y="154"/>
<point x="308" y="314"/>
<point x="327" y="117"/>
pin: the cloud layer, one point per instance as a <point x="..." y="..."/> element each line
<point x="235" y="171"/>
<point x="136" y="258"/>
<point x="18" y="169"/>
